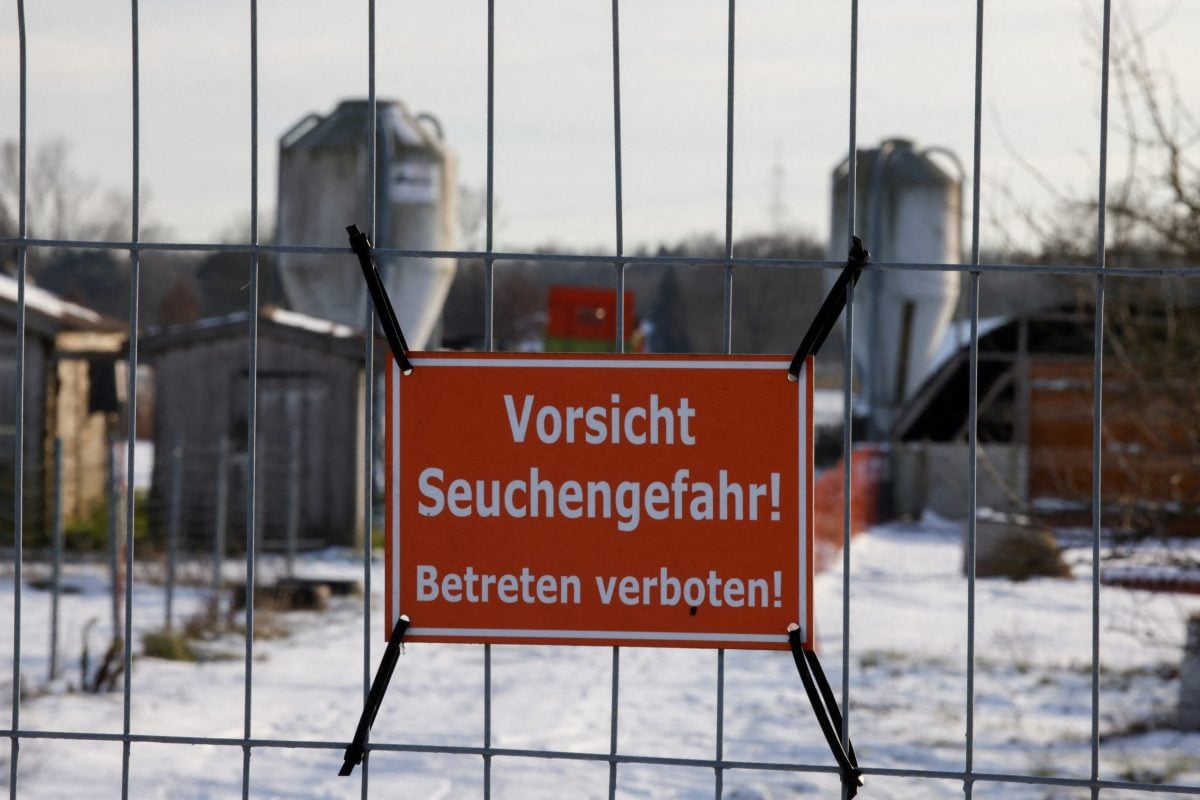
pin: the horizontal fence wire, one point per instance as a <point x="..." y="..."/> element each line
<point x="1151" y="270"/>
<point x="243" y="474"/>
<point x="617" y="758"/>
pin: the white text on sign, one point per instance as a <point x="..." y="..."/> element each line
<point x="663" y="589"/>
<point x="648" y="424"/>
<point x="627" y="501"/>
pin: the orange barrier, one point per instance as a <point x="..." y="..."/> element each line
<point x="867" y="463"/>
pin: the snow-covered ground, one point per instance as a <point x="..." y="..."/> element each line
<point x="907" y="664"/>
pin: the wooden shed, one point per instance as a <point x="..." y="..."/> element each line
<point x="1035" y="423"/>
<point x="72" y="394"/>
<point x="310" y="418"/>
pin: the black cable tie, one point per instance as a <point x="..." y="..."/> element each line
<point x="383" y="307"/>
<point x="383" y="676"/>
<point x="831" y="309"/>
<point x="829" y="717"/>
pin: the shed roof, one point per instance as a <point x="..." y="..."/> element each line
<point x="47" y="313"/>
<point x="305" y="330"/>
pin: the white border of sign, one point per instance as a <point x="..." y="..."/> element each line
<point x="610" y="363"/>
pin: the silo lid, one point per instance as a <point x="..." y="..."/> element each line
<point x="349" y="125"/>
<point x="904" y="164"/>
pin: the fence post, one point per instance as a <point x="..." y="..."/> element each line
<point x="222" y="514"/>
<point x="173" y="513"/>
<point x="57" y="547"/>
<point x="114" y="558"/>
<point x="293" y="502"/>
<point x="258" y="486"/>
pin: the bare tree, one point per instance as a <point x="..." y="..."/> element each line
<point x="1151" y="411"/>
<point x="64" y="205"/>
<point x="1158" y="202"/>
<point x="60" y="203"/>
<point x="1151" y="421"/>
<point x="1152" y="327"/>
<point x="472" y="216"/>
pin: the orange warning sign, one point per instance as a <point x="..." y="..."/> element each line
<point x="632" y="500"/>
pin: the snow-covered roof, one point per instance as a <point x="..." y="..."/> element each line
<point x="295" y="319"/>
<point x="342" y="338"/>
<point x="958" y="336"/>
<point x="280" y="316"/>
<point x="49" y="304"/>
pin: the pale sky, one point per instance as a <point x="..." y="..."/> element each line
<point x="554" y="174"/>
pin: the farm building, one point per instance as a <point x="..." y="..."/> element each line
<point x="1035" y="421"/>
<point x="310" y="417"/>
<point x="74" y="393"/>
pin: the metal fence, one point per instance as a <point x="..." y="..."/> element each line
<point x="969" y="776"/>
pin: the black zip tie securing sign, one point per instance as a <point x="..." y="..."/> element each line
<point x="383" y="307"/>
<point x="825" y="706"/>
<point x="383" y="676"/>
<point x="830" y="310"/>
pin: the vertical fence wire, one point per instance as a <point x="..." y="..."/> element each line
<point x="1097" y="397"/>
<point x="618" y="191"/>
<point x="726" y="340"/>
<point x="727" y="294"/>
<point x="252" y="520"/>
<point x="848" y="378"/>
<point x="19" y="406"/>
<point x="489" y="336"/>
<point x="846" y="512"/>
<point x="114" y="546"/>
<point x="612" y="723"/>
<point x="222" y="512"/>
<point x="173" y="514"/>
<point x="369" y="393"/>
<point x="489" y="264"/>
<point x="973" y="401"/>
<point x="131" y="397"/>
<point x="487" y="721"/>
<point x="57" y="546"/>
<point x="972" y="508"/>
<point x="368" y="504"/>
<point x="619" y="344"/>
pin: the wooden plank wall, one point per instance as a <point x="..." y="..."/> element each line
<point x="1147" y="456"/>
<point x="200" y="391"/>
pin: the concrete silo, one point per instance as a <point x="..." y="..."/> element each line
<point x="908" y="210"/>
<point x="324" y="162"/>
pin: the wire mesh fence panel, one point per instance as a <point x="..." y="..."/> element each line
<point x="192" y="465"/>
